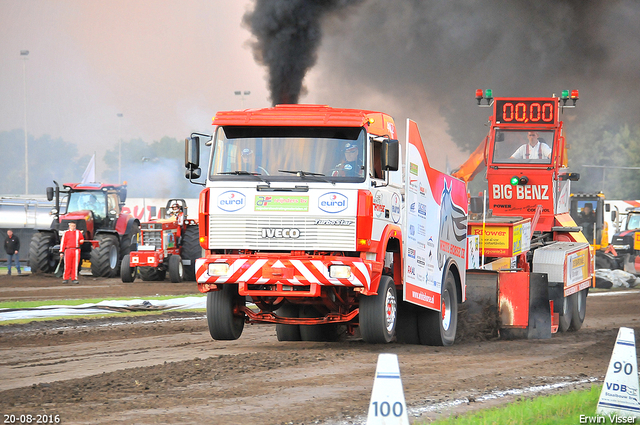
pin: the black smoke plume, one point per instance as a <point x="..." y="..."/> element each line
<point x="288" y="34"/>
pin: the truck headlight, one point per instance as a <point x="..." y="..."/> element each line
<point x="339" y="271"/>
<point x="218" y="269"/>
<point x="622" y="247"/>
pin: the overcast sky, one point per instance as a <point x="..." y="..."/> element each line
<point x="169" y="65"/>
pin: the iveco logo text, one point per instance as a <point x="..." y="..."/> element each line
<point x="333" y="202"/>
<point x="231" y="201"/>
<point x="271" y="233"/>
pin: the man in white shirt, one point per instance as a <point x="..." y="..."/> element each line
<point x="535" y="149"/>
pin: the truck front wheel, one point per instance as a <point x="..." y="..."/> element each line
<point x="224" y="323"/>
<point x="440" y="327"/>
<point x="378" y="313"/>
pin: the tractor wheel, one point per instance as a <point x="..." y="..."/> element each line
<point x="316" y="332"/>
<point x="191" y="251"/>
<point x="176" y="271"/>
<point x="152" y="273"/>
<point x="440" y="327"/>
<point x="127" y="273"/>
<point x="407" y="327"/>
<point x="288" y="332"/>
<point x="565" y="314"/>
<point x="105" y="258"/>
<point x="41" y="260"/>
<point x="129" y="241"/>
<point x="224" y="323"/>
<point x="378" y="313"/>
<point x="579" y="309"/>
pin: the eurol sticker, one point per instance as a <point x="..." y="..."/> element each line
<point x="333" y="202"/>
<point x="231" y="201"/>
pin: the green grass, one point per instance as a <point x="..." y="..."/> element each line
<point x="547" y="410"/>
<point x="29" y="304"/>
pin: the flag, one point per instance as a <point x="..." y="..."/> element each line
<point x="89" y="175"/>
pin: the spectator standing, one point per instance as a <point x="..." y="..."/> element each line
<point x="12" y="246"/>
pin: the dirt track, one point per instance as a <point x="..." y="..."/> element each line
<point x="166" y="369"/>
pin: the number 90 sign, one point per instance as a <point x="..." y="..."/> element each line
<point x="525" y="112"/>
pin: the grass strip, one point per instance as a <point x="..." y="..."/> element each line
<point x="546" y="410"/>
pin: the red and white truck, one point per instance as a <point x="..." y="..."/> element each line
<point x="310" y="213"/>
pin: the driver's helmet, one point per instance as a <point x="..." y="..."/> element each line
<point x="175" y="208"/>
<point x="89" y="201"/>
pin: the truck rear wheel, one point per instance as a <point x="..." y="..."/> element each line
<point x="176" y="271"/>
<point x="407" y="327"/>
<point x="191" y="251"/>
<point x="316" y="332"/>
<point x="440" y="327"/>
<point x="127" y="273"/>
<point x="565" y="314"/>
<point x="378" y="313"/>
<point x="224" y="323"/>
<point x="152" y="273"/>
<point x="288" y="332"/>
<point x="105" y="258"/>
<point x="579" y="309"/>
<point x="41" y="259"/>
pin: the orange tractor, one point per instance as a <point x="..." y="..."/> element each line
<point x="169" y="244"/>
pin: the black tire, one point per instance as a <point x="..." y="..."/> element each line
<point x="407" y="327"/>
<point x="176" y="271"/>
<point x="288" y="332"/>
<point x="223" y="323"/>
<point x="127" y="273"/>
<point x="316" y="332"/>
<point x="129" y="241"/>
<point x="191" y="251"/>
<point x="41" y="259"/>
<point x="579" y="309"/>
<point x="440" y="327"/>
<point x="566" y="312"/>
<point x="105" y="260"/>
<point x="379" y="313"/>
<point x="152" y="273"/>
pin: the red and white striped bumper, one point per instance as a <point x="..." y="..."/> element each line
<point x="283" y="277"/>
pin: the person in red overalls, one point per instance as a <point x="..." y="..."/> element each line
<point x="70" y="245"/>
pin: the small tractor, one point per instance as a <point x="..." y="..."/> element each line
<point x="167" y="244"/>
<point x="595" y="229"/>
<point x="96" y="209"/>
<point x="625" y="245"/>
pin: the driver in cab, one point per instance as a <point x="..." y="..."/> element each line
<point x="350" y="166"/>
<point x="536" y="148"/>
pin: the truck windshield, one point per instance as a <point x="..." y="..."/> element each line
<point x="288" y="153"/>
<point x="92" y="201"/>
<point x="523" y="147"/>
<point x="633" y="222"/>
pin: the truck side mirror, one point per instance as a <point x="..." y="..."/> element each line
<point x="193" y="174"/>
<point x="123" y="195"/>
<point x="49" y="194"/>
<point x="607" y="207"/>
<point x="390" y="155"/>
<point x="192" y="153"/>
<point x="614" y="215"/>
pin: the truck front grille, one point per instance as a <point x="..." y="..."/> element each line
<point x="282" y="233"/>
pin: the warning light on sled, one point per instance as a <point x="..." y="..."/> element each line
<point x="522" y="180"/>
<point x="486" y="94"/>
<point x="564" y="95"/>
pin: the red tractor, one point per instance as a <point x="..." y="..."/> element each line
<point x="167" y="244"/>
<point x="97" y="211"/>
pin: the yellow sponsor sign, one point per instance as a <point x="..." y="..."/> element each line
<point x="577" y="266"/>
<point x="636" y="241"/>
<point x="495" y="241"/>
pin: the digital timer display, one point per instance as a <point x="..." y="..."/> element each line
<point x="525" y="111"/>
